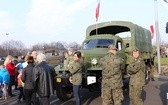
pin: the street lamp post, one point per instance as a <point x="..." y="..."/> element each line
<point x="157" y="34"/>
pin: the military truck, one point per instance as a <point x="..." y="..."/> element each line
<point x="94" y="47"/>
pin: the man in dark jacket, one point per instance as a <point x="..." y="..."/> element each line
<point x="43" y="78"/>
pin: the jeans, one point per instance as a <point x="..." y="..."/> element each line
<point x="12" y="82"/>
<point x="21" y="94"/>
<point x="5" y="90"/>
<point x="76" y="94"/>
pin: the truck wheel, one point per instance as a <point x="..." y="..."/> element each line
<point x="63" y="92"/>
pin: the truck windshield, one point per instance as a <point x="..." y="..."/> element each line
<point x="97" y="43"/>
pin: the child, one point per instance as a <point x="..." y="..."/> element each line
<point x="20" y="86"/>
<point x="5" y="80"/>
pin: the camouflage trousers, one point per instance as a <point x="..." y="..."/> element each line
<point x="112" y="96"/>
<point x="135" y="95"/>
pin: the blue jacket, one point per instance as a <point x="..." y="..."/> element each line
<point x="20" y="66"/>
<point x="1" y="80"/>
<point x="5" y="75"/>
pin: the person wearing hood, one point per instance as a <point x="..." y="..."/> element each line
<point x="5" y="80"/>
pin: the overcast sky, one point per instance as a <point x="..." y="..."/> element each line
<point x="38" y="21"/>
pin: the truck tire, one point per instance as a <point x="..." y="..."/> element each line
<point x="63" y="92"/>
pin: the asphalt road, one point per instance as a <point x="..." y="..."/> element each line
<point x="154" y="93"/>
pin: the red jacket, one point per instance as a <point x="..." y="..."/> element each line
<point x="11" y="68"/>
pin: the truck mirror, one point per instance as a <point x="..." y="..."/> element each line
<point x="127" y="45"/>
<point x="167" y="27"/>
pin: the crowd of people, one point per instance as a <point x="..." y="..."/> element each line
<point x="31" y="75"/>
<point x="34" y="77"/>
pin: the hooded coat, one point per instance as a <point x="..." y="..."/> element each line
<point x="5" y="76"/>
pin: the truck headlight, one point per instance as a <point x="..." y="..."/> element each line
<point x="94" y="61"/>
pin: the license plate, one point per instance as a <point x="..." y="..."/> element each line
<point x="58" y="80"/>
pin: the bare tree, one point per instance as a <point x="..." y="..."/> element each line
<point x="2" y="51"/>
<point x="74" y="45"/>
<point x="13" y="47"/>
<point x="58" y="45"/>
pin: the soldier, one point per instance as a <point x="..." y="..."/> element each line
<point x="137" y="78"/>
<point x="112" y="83"/>
<point x="68" y="58"/>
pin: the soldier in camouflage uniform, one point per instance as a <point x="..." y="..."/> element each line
<point x="112" y="83"/>
<point x="68" y="58"/>
<point x="137" y="78"/>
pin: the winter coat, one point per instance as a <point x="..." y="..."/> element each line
<point x="1" y="80"/>
<point x="43" y="79"/>
<point x="75" y="69"/>
<point x="10" y="67"/>
<point x="5" y="75"/>
<point x="27" y="74"/>
<point x="111" y="71"/>
<point x="67" y="61"/>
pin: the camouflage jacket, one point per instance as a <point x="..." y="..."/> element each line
<point x="137" y="72"/>
<point x="67" y="61"/>
<point x="75" y="69"/>
<point x="111" y="71"/>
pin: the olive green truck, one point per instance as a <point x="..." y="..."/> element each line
<point x="124" y="35"/>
